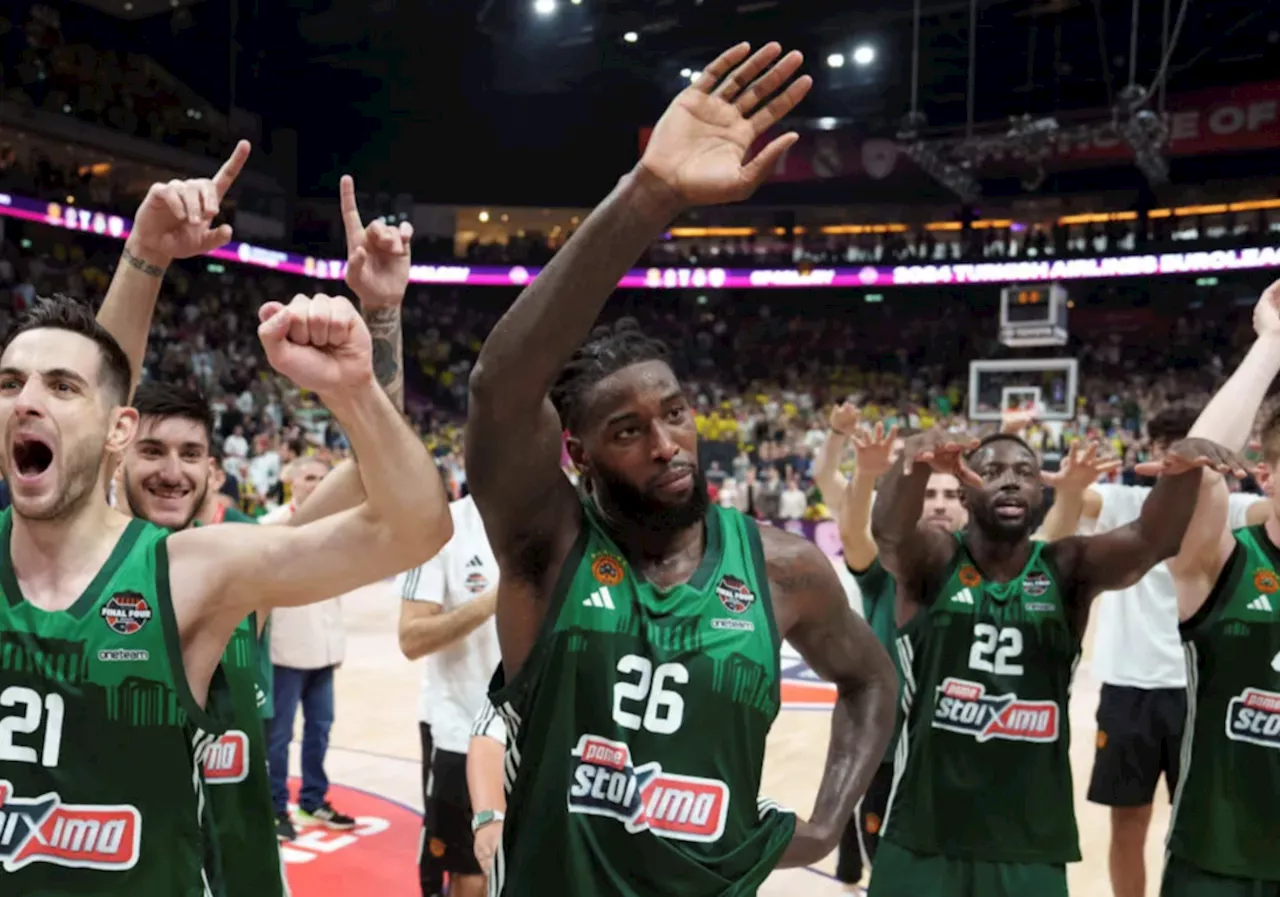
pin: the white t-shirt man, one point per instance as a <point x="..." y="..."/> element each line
<point x="1137" y="642"/>
<point x="456" y="678"/>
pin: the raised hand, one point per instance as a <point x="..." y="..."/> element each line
<point x="874" y="449"/>
<point x="944" y="452"/>
<point x="1188" y="454"/>
<point x="319" y="342"/>
<point x="377" y="255"/>
<point x="699" y="147"/>
<point x="844" y="418"/>
<point x="173" y="220"/>
<point x="1080" y="469"/>
<point x="1014" y="421"/>
<point x="1266" y="314"/>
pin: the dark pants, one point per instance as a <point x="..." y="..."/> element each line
<point x="861" y="836"/>
<point x="430" y="867"/>
<point x="314" y="690"/>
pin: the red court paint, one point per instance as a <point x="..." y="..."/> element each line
<point x="379" y="856"/>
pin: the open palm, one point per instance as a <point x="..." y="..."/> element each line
<point x="699" y="147"/>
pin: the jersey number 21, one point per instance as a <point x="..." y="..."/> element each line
<point x="32" y="710"/>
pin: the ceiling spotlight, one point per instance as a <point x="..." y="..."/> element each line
<point x="835" y="60"/>
<point x="685" y="73"/>
<point x="827" y="123"/>
<point x="483" y="216"/>
<point x="576" y="2"/>
<point x="631" y="37"/>
<point x="694" y="75"/>
<point x="864" y="55"/>
<point x="544" y="7"/>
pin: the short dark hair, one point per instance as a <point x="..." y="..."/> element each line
<point x="165" y="400"/>
<point x="1173" y="423"/>
<point x="608" y="350"/>
<point x="59" y="312"/>
<point x="1002" y="437"/>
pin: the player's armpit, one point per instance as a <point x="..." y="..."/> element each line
<point x="814" y="615"/>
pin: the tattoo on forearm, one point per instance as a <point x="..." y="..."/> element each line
<point x="141" y="264"/>
<point x="388" y="351"/>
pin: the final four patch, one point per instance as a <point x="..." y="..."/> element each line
<point x="735" y="595"/>
<point x="126" y="612"/>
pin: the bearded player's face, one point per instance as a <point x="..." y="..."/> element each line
<point x="166" y="471"/>
<point x="639" y="447"/>
<point x="58" y="422"/>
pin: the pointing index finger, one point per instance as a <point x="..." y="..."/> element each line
<point x="350" y="214"/>
<point x="231" y="169"/>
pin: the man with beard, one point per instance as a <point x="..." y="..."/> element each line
<point x="990" y="624"/>
<point x="166" y="475"/>
<point x="111" y="629"/>
<point x="640" y="627"/>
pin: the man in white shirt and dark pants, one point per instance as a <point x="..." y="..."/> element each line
<point x="447" y="617"/>
<point x="1139" y="660"/>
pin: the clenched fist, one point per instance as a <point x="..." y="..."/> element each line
<point x="319" y="342"/>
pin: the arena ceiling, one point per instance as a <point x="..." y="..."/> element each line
<point x="138" y="9"/>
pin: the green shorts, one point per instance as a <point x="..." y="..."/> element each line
<point x="899" y="872"/>
<point x="1181" y="879"/>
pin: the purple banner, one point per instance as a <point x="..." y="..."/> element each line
<point x="89" y="221"/>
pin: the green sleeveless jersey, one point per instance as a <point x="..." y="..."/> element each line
<point x="636" y="729"/>
<point x="100" y="737"/>
<point x="984" y="772"/>
<point x="1225" y="811"/>
<point x="235" y="770"/>
<point x="879" y="595"/>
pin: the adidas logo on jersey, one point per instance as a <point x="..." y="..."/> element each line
<point x="475" y="561"/>
<point x="1262" y="603"/>
<point x="599" y="598"/>
<point x="45" y="830"/>
<point x="226" y="761"/>
<point x="1254" y="717"/>
<point x="966" y="708"/>
<point x="964" y="596"/>
<point x="644" y="798"/>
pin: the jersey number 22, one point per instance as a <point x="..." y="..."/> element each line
<point x="663" y="709"/>
<point x="994" y="650"/>
<point x="31" y="711"/>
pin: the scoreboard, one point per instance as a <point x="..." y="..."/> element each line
<point x="1033" y="315"/>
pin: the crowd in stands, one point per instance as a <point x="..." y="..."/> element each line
<point x="122" y="91"/>
<point x="763" y="378"/>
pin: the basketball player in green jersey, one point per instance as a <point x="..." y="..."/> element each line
<point x="943" y="509"/>
<point x="990" y="624"/>
<point x="111" y="630"/>
<point x="1225" y="816"/>
<point x="639" y="625"/>
<point x="166" y="482"/>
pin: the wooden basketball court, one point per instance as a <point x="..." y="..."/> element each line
<point x="374" y="747"/>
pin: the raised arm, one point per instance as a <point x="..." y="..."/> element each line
<point x="219" y="573"/>
<point x="826" y="464"/>
<point x="172" y="223"/>
<point x="1119" y="558"/>
<point x="875" y="457"/>
<point x="695" y="156"/>
<point x="815" y="617"/>
<point x="378" y="262"/>
<point x="911" y="552"/>
<point x="1228" y="418"/>
<point x="1072" y="495"/>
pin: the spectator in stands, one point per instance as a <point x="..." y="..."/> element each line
<point x="307" y="645"/>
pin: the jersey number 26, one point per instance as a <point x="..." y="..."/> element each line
<point x="663" y="709"/>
